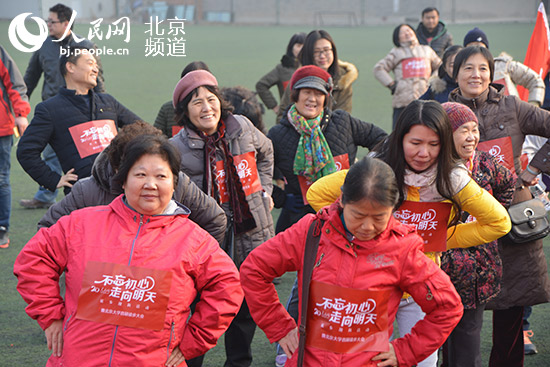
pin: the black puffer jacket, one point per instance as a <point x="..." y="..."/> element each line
<point x="50" y="125"/>
<point x="343" y="133"/>
<point x="99" y="189"/>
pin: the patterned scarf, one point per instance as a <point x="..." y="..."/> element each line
<point x="242" y="216"/>
<point x="313" y="158"/>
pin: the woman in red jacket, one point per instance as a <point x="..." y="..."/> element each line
<point x="365" y="260"/>
<point x="132" y="269"/>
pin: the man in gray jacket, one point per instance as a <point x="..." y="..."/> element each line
<point x="46" y="61"/>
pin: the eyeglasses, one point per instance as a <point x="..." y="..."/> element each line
<point x="324" y="51"/>
<point x="49" y="21"/>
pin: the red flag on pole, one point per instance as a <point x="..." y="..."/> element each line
<point x="538" y="51"/>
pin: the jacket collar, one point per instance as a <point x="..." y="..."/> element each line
<point x="122" y="209"/>
<point x="493" y="94"/>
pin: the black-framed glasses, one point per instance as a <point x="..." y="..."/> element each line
<point x="49" y="21"/>
<point x="324" y="51"/>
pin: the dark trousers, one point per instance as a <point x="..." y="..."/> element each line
<point x="507" y="338"/>
<point x="463" y="345"/>
<point x="238" y="339"/>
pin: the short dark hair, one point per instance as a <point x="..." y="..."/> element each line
<point x="371" y="179"/>
<point x="182" y="108"/>
<point x="148" y="145"/>
<point x="63" y="12"/>
<point x="192" y="66"/>
<point x="115" y="149"/>
<point x="72" y="55"/>
<point x="306" y="54"/>
<point x="449" y="51"/>
<point x="429" y="10"/>
<point x="245" y="102"/>
<point x="469" y="51"/>
<point x="396" y="30"/>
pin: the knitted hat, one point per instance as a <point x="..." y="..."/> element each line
<point x="459" y="114"/>
<point x="189" y="82"/>
<point x="476" y="35"/>
<point x="311" y="76"/>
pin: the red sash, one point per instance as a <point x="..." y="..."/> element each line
<point x="248" y="174"/>
<point x="415" y="67"/>
<point x="346" y="320"/>
<point x="176" y="129"/>
<point x="93" y="136"/>
<point x="341" y="162"/>
<point x="124" y="295"/>
<point x="502" y="149"/>
<point x="430" y="220"/>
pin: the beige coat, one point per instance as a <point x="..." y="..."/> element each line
<point x="514" y="73"/>
<point x="407" y="88"/>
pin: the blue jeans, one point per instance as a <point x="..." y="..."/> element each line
<point x="43" y="194"/>
<point x="6" y="143"/>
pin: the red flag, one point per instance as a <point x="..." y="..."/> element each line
<point x="538" y="51"/>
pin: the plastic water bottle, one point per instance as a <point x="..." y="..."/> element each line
<point x="540" y="194"/>
<point x="280" y="360"/>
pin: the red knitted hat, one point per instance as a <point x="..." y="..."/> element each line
<point x="189" y="82"/>
<point x="459" y="114"/>
<point x="311" y="76"/>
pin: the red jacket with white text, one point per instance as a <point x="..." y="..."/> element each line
<point x="117" y="234"/>
<point x="392" y="261"/>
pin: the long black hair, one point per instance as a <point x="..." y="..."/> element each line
<point x="433" y="116"/>
<point x="306" y="55"/>
<point x="289" y="60"/>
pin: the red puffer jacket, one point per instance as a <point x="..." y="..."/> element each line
<point x="393" y="261"/>
<point x="117" y="234"/>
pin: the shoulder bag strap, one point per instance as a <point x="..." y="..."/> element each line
<point x="310" y="254"/>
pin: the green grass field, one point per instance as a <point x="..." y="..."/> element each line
<point x="237" y="55"/>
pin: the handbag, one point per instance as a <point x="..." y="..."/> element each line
<point x="529" y="221"/>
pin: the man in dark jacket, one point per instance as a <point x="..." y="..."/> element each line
<point x="78" y="123"/>
<point x="46" y="61"/>
<point x="433" y="32"/>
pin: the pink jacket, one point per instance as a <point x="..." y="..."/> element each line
<point x="394" y="261"/>
<point x="117" y="234"/>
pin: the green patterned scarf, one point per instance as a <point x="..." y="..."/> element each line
<point x="313" y="156"/>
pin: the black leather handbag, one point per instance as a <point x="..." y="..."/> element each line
<point x="529" y="221"/>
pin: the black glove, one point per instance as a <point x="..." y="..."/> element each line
<point x="392" y="87"/>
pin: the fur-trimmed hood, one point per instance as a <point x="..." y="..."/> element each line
<point x="348" y="74"/>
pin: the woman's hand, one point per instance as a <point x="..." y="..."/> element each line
<point x="54" y="336"/>
<point x="388" y="358"/>
<point x="176" y="358"/>
<point x="528" y="178"/>
<point x="289" y="343"/>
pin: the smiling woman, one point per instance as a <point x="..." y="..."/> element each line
<point x="232" y="161"/>
<point x="525" y="278"/>
<point x="148" y="172"/>
<point x="142" y="238"/>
